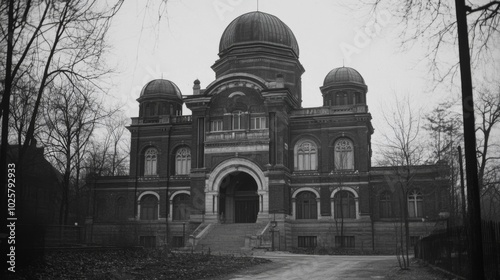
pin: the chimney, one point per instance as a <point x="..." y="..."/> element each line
<point x="280" y="81"/>
<point x="196" y="87"/>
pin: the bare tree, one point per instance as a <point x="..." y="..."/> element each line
<point x="115" y="128"/>
<point x="24" y="95"/>
<point x="403" y="150"/>
<point x="47" y="41"/>
<point x="445" y="130"/>
<point x="488" y="149"/>
<point x="342" y="174"/>
<point x="107" y="156"/>
<point x="71" y="115"/>
<point x="434" y="22"/>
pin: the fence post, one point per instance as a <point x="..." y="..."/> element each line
<point x="494" y="249"/>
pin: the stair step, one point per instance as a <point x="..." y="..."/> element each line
<point x="229" y="237"/>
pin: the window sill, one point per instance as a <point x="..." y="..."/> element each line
<point x="306" y="220"/>
<point x="148" y="177"/>
<point x="151" y="221"/>
<point x="305" y="172"/>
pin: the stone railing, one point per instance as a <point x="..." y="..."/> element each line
<point x="237" y="135"/>
<point x="162" y="119"/>
<point x="332" y="110"/>
<point x="201" y="231"/>
<point x="261" y="240"/>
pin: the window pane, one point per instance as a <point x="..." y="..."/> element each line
<point x="344" y="154"/>
<point x="385" y="205"/>
<point x="345" y="205"/>
<point x="411" y="209"/>
<point x="306" y="206"/>
<point x="237" y="116"/>
<point x="181" y="207"/>
<point x="149" y="207"/>
<point x="216" y="125"/>
<point x="348" y="241"/>
<point x="307" y="241"/>
<point x="150" y="160"/>
<point x="415" y="204"/>
<point x="420" y="210"/>
<point x="183" y="161"/>
<point x="306" y="156"/>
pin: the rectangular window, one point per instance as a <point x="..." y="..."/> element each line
<point x="237" y="120"/>
<point x="348" y="241"/>
<point x="216" y="125"/>
<point x="178" y="241"/>
<point x="258" y="123"/>
<point x="307" y="241"/>
<point x="147" y="241"/>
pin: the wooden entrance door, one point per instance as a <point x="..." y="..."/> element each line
<point x="246" y="209"/>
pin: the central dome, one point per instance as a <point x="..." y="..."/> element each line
<point x="258" y="27"/>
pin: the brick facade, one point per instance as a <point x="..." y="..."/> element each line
<point x="250" y="121"/>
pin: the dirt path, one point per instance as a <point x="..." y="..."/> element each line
<point x="292" y="266"/>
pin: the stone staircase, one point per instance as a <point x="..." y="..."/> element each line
<point x="229" y="238"/>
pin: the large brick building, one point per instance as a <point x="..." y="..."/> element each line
<point x="250" y="153"/>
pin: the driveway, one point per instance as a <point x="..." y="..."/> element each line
<point x="292" y="266"/>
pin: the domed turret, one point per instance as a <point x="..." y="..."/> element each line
<point x="258" y="28"/>
<point x="160" y="97"/>
<point x="343" y="75"/>
<point x="344" y="86"/>
<point x="161" y="87"/>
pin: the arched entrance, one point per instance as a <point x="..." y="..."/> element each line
<point x="238" y="198"/>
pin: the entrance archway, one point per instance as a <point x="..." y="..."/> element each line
<point x="238" y="198"/>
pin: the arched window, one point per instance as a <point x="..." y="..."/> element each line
<point x="306" y="156"/>
<point x="150" y="161"/>
<point x="181" y="207"/>
<point x="183" y="161"/>
<point x="344" y="154"/>
<point x="345" y="205"/>
<point x="306" y="205"/>
<point x="337" y="99"/>
<point x="120" y="214"/>
<point x="415" y="204"/>
<point x="385" y="205"/>
<point x="237" y="120"/>
<point x="149" y="207"/>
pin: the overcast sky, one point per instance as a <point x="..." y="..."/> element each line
<point x="183" y="46"/>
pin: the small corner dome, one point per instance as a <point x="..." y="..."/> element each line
<point x="343" y="75"/>
<point x="258" y="27"/>
<point x="161" y="87"/>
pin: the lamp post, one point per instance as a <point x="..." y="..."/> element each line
<point x="273" y="226"/>
<point x="183" y="234"/>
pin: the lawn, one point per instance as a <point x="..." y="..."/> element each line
<point x="132" y="264"/>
